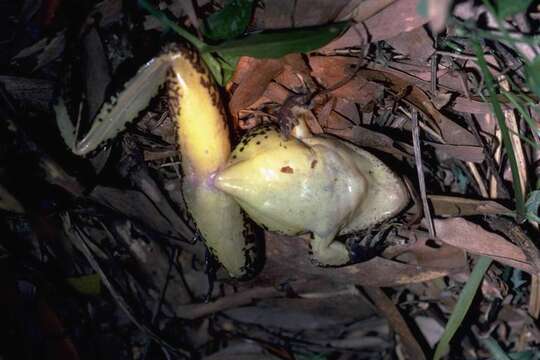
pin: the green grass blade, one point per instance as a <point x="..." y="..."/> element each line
<point x="494" y="348"/>
<point x="277" y="43"/>
<point x="507" y="143"/>
<point x="462" y="306"/>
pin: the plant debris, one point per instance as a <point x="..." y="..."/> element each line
<point x="100" y="259"/>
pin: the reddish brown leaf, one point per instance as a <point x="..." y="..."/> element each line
<point x="254" y="82"/>
<point x="330" y="71"/>
<point x="401" y="16"/>
<point x="416" y="44"/>
<point x="473" y="238"/>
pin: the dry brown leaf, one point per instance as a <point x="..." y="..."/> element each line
<point x="461" y="152"/>
<point x="460" y="206"/>
<point x="301" y="314"/>
<point x="254" y="82"/>
<point x="281" y="14"/>
<point x="416" y="44"/>
<point x="96" y="72"/>
<point x="361" y="136"/>
<point x="287" y="259"/>
<point x="368" y="8"/>
<point x="420" y="75"/>
<point x="451" y="132"/>
<point x="471" y="106"/>
<point x="135" y="205"/>
<point x="427" y="253"/>
<point x="394" y="19"/>
<point x="32" y="94"/>
<point x="387" y="309"/>
<point x="473" y="238"/>
<point x="331" y="70"/>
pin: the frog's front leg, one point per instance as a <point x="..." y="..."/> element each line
<point x="328" y="252"/>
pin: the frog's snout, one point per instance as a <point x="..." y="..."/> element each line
<point x="222" y="180"/>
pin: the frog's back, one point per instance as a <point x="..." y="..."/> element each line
<point x="289" y="186"/>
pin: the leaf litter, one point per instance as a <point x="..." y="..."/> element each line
<point x="120" y="220"/>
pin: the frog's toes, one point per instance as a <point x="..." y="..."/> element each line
<point x="359" y="253"/>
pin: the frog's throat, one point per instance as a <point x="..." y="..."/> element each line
<point x="203" y="141"/>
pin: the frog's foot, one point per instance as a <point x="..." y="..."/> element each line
<point x="327" y="252"/>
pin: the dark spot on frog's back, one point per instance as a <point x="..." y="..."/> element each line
<point x="313" y="164"/>
<point x="287" y="170"/>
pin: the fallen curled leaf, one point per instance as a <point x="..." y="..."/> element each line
<point x="473" y="238"/>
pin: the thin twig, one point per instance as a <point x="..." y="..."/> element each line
<point x="420" y="172"/>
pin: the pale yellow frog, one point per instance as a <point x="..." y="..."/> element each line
<point x="309" y="183"/>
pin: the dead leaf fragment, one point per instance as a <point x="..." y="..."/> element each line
<point x="394" y="19"/>
<point x="473" y="238"/>
<point x="331" y="71"/>
<point x="416" y="44"/>
<point x="460" y="206"/>
<point x="254" y="82"/>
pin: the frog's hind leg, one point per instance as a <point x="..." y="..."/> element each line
<point x="327" y="252"/>
<point x="117" y="111"/>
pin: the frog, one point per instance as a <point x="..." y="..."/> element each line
<point x="311" y="184"/>
<point x="203" y="142"/>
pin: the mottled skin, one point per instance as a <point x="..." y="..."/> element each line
<point x="308" y="183"/>
<point x="203" y="142"/>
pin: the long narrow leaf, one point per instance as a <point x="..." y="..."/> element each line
<point x="507" y="142"/>
<point x="462" y="306"/>
<point x="275" y="44"/>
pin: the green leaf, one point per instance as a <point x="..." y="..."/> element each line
<point x="422" y="8"/>
<point x="532" y="205"/>
<point x="462" y="306"/>
<point x="228" y="66"/>
<point x="229" y="22"/>
<point x="86" y="284"/>
<point x="275" y="44"/>
<point x="533" y="75"/>
<point x="507" y="8"/>
<point x="524" y="355"/>
<point x="494" y="348"/>
<point x="507" y="142"/>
